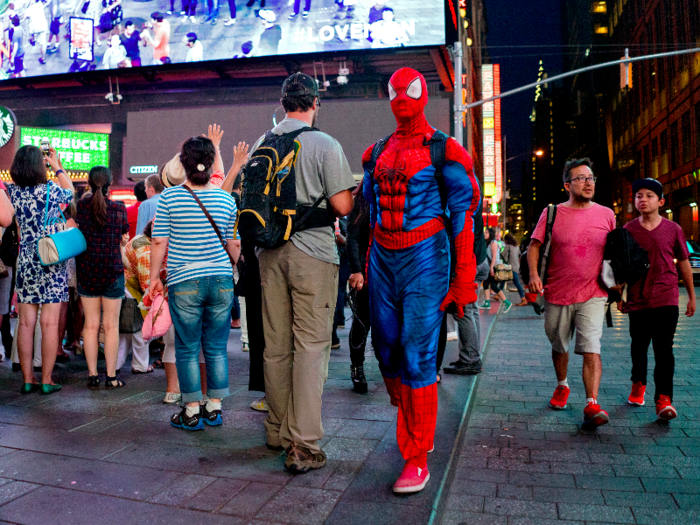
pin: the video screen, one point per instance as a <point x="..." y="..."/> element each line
<point x="79" y="150"/>
<point x="48" y="37"/>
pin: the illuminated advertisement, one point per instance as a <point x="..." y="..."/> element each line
<point x="79" y="150"/>
<point x="81" y="44"/>
<point x="83" y="35"/>
<point x="491" y="114"/>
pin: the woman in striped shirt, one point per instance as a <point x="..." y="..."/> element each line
<point x="200" y="280"/>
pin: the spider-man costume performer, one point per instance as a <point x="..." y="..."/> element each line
<point x="409" y="264"/>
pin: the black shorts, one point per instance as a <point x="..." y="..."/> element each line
<point x="55" y="27"/>
<point x="19" y="64"/>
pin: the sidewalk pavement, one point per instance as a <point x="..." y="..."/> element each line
<point x="522" y="463"/>
<point x="111" y="457"/>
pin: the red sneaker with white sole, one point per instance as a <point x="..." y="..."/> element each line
<point x="664" y="410"/>
<point x="594" y="415"/>
<point x="637" y="395"/>
<point x="412" y="479"/>
<point x="560" y="398"/>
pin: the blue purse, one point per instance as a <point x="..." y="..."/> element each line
<point x="62" y="245"/>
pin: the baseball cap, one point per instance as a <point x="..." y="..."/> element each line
<point x="648" y="184"/>
<point x="299" y="84"/>
<point x="267" y="14"/>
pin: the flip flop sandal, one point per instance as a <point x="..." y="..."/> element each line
<point x="148" y="371"/>
<point x="158" y="363"/>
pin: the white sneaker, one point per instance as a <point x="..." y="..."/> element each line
<point x="193" y="20"/>
<point x="260" y="405"/>
<point x="172" y="399"/>
<point x="230" y="22"/>
<point x="452" y="336"/>
<point x="245" y="347"/>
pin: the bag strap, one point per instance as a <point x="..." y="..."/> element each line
<point x="551" y="215"/>
<point x="46" y="209"/>
<point x="211" y="220"/>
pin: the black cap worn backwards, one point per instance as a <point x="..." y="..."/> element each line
<point x="299" y="84"/>
<point x="648" y="184"/>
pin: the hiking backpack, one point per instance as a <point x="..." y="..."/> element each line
<point x="269" y="213"/>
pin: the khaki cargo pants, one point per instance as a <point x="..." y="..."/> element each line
<point x="299" y="294"/>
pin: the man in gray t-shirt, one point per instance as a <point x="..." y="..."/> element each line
<point x="300" y="287"/>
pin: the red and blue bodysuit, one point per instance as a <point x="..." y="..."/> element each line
<point x="409" y="264"/>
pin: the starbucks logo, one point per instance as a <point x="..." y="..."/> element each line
<point x="7" y="126"/>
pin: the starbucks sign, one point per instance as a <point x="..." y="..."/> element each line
<point x="7" y="125"/>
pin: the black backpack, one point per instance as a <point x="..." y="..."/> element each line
<point x="629" y="261"/>
<point x="269" y="213"/>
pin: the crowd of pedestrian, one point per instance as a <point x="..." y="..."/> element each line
<point x="174" y="272"/>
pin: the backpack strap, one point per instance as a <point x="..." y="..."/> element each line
<point x="377" y="150"/>
<point x="551" y="216"/>
<point x="438" y="156"/>
<point x="294" y="134"/>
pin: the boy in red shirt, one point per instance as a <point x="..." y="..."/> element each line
<point x="652" y="302"/>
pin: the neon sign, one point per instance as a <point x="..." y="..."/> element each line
<point x="491" y="121"/>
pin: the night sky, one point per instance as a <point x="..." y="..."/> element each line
<point x="518" y="23"/>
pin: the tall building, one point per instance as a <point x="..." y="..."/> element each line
<point x="653" y="129"/>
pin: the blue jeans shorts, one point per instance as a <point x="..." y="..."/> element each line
<point x="112" y="291"/>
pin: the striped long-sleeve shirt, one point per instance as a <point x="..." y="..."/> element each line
<point x="194" y="249"/>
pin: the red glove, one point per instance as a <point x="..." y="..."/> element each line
<point x="462" y="290"/>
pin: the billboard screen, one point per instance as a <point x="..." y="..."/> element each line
<point x="79" y="150"/>
<point x="491" y="115"/>
<point x="55" y="36"/>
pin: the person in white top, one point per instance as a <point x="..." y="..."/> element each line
<point x="195" y="53"/>
<point x="387" y="32"/>
<point x="38" y="26"/>
<point x="114" y="55"/>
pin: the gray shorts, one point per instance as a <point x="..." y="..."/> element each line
<point x="586" y="319"/>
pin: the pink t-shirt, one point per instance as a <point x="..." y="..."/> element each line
<point x="576" y="256"/>
<point x="660" y="286"/>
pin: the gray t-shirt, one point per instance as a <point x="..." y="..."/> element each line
<point x="321" y="169"/>
<point x="18" y="38"/>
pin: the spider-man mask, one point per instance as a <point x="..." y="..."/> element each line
<point x="408" y="94"/>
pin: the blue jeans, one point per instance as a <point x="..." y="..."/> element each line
<point x="201" y="313"/>
<point x="516" y="282"/>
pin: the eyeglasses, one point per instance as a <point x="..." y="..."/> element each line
<point x="583" y="179"/>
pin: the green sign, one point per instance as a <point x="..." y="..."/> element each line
<point x="7" y="126"/>
<point x="79" y="150"/>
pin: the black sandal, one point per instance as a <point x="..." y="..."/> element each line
<point x="93" y="382"/>
<point x="109" y="383"/>
<point x="158" y="363"/>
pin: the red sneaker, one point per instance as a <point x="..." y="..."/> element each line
<point x="594" y="415"/>
<point x="664" y="410"/>
<point x="637" y="395"/>
<point x="412" y="479"/>
<point x="560" y="398"/>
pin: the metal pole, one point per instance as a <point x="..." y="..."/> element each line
<point x="576" y="72"/>
<point x="458" y="93"/>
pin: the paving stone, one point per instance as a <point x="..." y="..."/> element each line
<point x="609" y="483"/>
<point x="474" y="488"/>
<point x="573" y="511"/>
<point x="620" y="459"/>
<point x="343" y="475"/>
<point x="559" y="495"/>
<point x="686" y="501"/>
<point x="543" y="480"/>
<point x="346" y="513"/>
<point x="647" y="516"/>
<point x="507" y="491"/>
<point x="250" y="499"/>
<point x="683" y="486"/>
<point x="344" y="449"/>
<point x="482" y="474"/>
<point x="593" y="469"/>
<point x="216" y="494"/>
<point x="181" y="489"/>
<point x="14" y="489"/>
<point x="639" y="499"/>
<point x="54" y="505"/>
<point x="520" y="508"/>
<point x="462" y="502"/>
<point x="453" y="517"/>
<point x="300" y="505"/>
<point x="519" y="520"/>
<point x="645" y="471"/>
<point x="516" y="464"/>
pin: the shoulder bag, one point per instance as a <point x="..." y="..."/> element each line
<point x="60" y="246"/>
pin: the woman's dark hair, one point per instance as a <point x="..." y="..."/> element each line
<point x="140" y="191"/>
<point x="492" y="235"/>
<point x="198" y="152"/>
<point x="509" y="239"/>
<point x="99" y="179"/>
<point x="28" y="168"/>
<point x="148" y="230"/>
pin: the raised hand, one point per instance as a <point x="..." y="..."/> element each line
<point x="214" y="133"/>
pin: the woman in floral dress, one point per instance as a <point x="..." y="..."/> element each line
<point x="37" y="284"/>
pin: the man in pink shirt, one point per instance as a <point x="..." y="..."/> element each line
<point x="574" y="298"/>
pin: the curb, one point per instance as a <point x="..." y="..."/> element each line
<point x="437" y="508"/>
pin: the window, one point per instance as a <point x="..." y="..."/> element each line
<point x="686" y="140"/>
<point x="663" y="149"/>
<point x="675" y="149"/>
<point x="599" y="7"/>
<point x="655" y="158"/>
<point x="601" y="29"/>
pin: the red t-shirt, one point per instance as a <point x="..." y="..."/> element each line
<point x="575" y="260"/>
<point x="132" y="215"/>
<point x="663" y="244"/>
